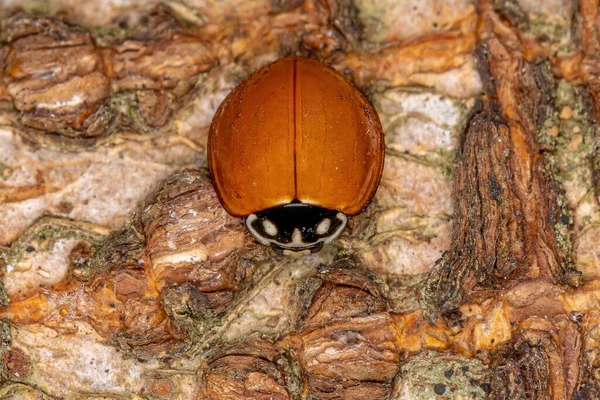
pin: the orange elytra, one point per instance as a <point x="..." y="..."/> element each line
<point x="295" y="149"/>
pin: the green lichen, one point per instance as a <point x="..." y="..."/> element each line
<point x="107" y="37"/>
<point x="293" y="374"/>
<point x="553" y="30"/>
<point x="5" y="336"/>
<point x="546" y="131"/>
<point x="42" y="7"/>
<point x="442" y="160"/>
<point x="586" y="221"/>
<point x="43" y="235"/>
<point x="120" y="247"/>
<point x="563" y="237"/>
<point x="431" y="374"/>
<point x="5" y="172"/>
<point x="572" y="147"/>
<point x="566" y="134"/>
<point x="5" y="341"/>
<point x="19" y="391"/>
<point x="4" y="300"/>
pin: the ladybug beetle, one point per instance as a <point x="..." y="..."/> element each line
<point x="295" y="149"/>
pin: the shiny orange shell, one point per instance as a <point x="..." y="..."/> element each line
<point x="295" y="129"/>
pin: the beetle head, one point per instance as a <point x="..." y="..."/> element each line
<point x="296" y="227"/>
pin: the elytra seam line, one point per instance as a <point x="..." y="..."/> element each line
<point x="294" y="116"/>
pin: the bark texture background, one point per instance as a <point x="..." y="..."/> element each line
<point x="474" y="273"/>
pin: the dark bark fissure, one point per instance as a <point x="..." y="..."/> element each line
<point x="485" y="249"/>
<point x="507" y="202"/>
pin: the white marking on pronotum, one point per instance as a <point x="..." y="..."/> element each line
<point x="269" y="227"/>
<point x="263" y="240"/>
<point x="323" y="227"/>
<point x="297" y="238"/>
<point x="339" y="230"/>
